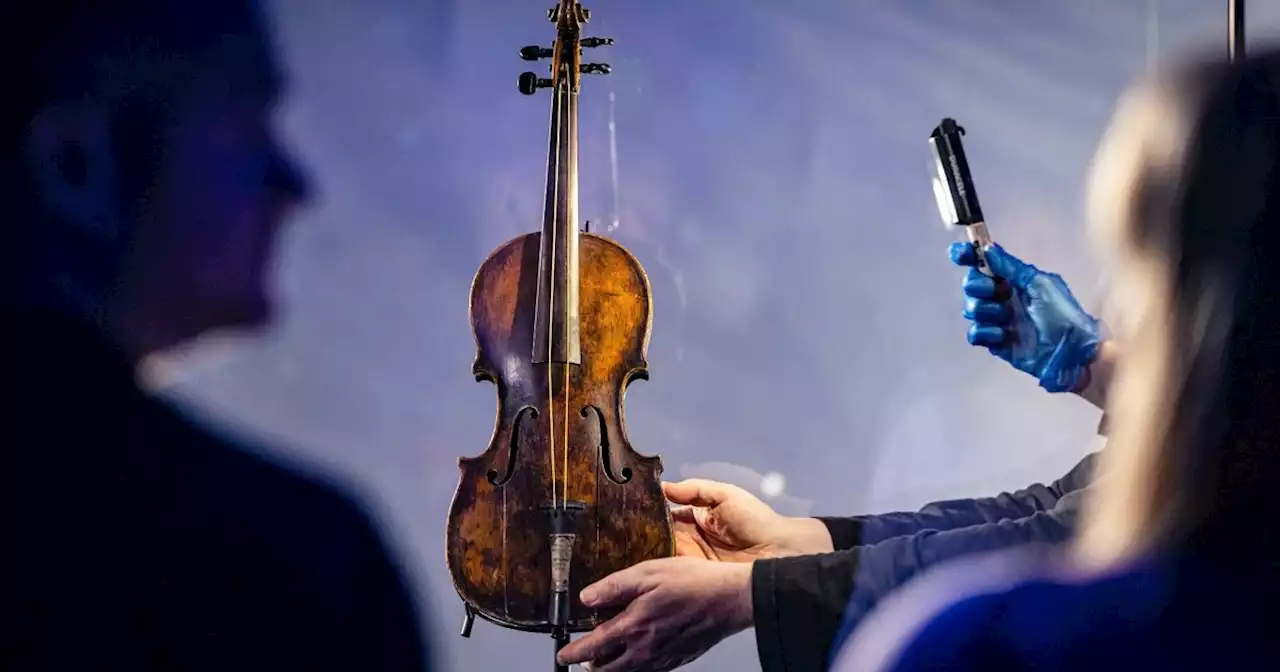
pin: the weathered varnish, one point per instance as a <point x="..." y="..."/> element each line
<point x="498" y="546"/>
<point x="545" y="306"/>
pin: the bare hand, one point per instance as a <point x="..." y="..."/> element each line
<point x="677" y="609"/>
<point x="718" y="521"/>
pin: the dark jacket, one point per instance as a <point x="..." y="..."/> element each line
<point x="136" y="539"/>
<point x="1198" y="610"/>
<point x="806" y="605"/>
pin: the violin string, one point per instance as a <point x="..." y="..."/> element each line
<point x="571" y="101"/>
<point x="551" y="294"/>
<point x="564" y="482"/>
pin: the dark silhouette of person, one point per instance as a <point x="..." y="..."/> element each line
<point x="146" y="190"/>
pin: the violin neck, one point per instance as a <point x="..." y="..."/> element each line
<point x="556" y="323"/>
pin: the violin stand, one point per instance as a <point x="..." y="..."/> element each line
<point x="560" y="635"/>
<point x="561" y="638"/>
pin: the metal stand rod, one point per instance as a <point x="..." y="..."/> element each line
<point x="562" y="638"/>
<point x="468" y="619"/>
<point x="1236" y="38"/>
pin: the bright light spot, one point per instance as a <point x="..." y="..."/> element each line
<point x="772" y="484"/>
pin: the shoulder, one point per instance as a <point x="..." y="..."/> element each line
<point x="242" y="486"/>
<point x="298" y="540"/>
<point x="946" y="618"/>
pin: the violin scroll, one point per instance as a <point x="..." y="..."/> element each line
<point x="530" y="82"/>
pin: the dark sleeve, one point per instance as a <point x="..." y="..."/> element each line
<point x="804" y="605"/>
<point x="958" y="513"/>
<point x="380" y="629"/>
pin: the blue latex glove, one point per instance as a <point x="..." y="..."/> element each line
<point x="1029" y="318"/>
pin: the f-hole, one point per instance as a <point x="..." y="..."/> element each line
<point x="606" y="451"/>
<point x="513" y="447"/>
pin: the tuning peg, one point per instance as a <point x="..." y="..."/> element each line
<point x="553" y="14"/>
<point x="591" y="42"/>
<point x="531" y="82"/>
<point x="534" y="52"/>
<point x="596" y="69"/>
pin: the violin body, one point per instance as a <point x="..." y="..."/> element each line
<point x="561" y="319"/>
<point x="498" y="546"/>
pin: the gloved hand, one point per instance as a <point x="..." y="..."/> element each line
<point x="1029" y="318"/>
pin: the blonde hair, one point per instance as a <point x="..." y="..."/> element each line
<point x="1185" y="199"/>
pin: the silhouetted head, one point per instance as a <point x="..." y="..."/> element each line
<point x="143" y="165"/>
<point x="1185" y="199"/>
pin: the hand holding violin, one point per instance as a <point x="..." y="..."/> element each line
<point x="678" y="608"/>
<point x="718" y="521"/>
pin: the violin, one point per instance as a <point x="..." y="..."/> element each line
<point x="561" y="320"/>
